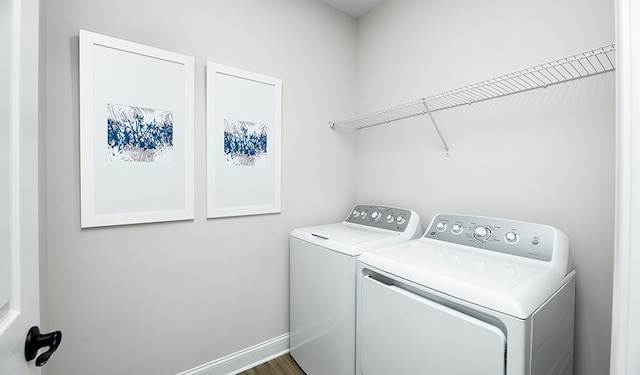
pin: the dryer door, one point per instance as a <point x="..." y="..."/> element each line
<point x="402" y="333"/>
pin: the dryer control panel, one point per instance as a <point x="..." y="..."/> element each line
<point x="530" y="240"/>
<point x="391" y="218"/>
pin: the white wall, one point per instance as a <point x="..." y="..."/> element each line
<point x="163" y="298"/>
<point x="544" y="156"/>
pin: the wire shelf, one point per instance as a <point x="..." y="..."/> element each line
<point x="581" y="65"/>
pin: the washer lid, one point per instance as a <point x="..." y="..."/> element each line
<point x="512" y="285"/>
<point x="350" y="239"/>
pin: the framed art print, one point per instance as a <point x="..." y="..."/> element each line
<point x="243" y="142"/>
<point x="136" y="133"/>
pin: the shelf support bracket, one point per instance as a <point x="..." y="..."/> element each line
<point x="435" y="125"/>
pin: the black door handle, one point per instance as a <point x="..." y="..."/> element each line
<point x="36" y="341"/>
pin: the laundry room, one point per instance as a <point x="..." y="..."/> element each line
<point x="213" y="293"/>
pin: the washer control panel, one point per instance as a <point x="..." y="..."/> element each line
<point x="392" y="218"/>
<point x="519" y="238"/>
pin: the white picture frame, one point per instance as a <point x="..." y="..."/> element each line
<point x="243" y="142"/>
<point x="136" y="133"/>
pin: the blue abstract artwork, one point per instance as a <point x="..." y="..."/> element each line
<point x="137" y="134"/>
<point x="245" y="143"/>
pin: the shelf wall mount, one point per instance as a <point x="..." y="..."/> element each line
<point x="585" y="64"/>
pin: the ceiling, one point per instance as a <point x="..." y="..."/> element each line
<point x="355" y="8"/>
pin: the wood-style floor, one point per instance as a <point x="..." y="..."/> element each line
<point x="283" y="365"/>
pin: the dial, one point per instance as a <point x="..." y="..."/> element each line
<point x="400" y="220"/>
<point x="456" y="229"/>
<point x="441" y="227"/>
<point x="355" y="213"/>
<point x="375" y="215"/>
<point x="481" y="233"/>
<point x="390" y="218"/>
<point x="511" y="237"/>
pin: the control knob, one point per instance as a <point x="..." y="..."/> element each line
<point x="456" y="229"/>
<point x="481" y="233"/>
<point x="401" y="220"/>
<point x="441" y="227"/>
<point x="375" y="215"/>
<point x="390" y="218"/>
<point x="511" y="237"/>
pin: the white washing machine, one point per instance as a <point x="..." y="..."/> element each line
<point x="323" y="283"/>
<point x="474" y="295"/>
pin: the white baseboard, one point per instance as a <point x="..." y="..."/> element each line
<point x="244" y="359"/>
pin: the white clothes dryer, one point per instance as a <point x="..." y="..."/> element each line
<point x="323" y="283"/>
<point x="474" y="295"/>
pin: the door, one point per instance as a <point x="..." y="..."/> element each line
<point x="625" y="335"/>
<point x="402" y="333"/>
<point x="19" y="309"/>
